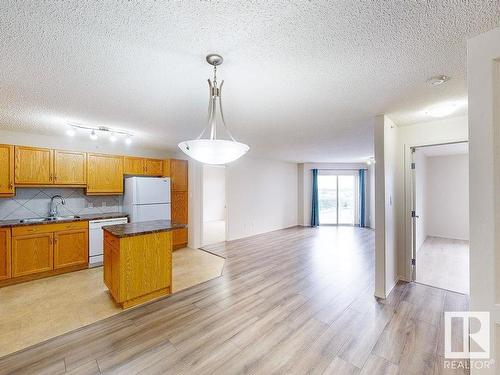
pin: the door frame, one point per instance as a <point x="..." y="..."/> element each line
<point x="202" y="239"/>
<point x="344" y="172"/>
<point x="410" y="218"/>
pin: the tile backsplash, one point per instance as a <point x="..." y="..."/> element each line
<point x="35" y="202"/>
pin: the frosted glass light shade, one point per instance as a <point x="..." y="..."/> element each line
<point x="214" y="151"/>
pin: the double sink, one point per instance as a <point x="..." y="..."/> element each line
<point x="48" y="218"/>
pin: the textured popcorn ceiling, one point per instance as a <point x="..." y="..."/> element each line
<point x="304" y="79"/>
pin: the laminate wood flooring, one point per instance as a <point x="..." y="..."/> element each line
<point x="38" y="310"/>
<point x="294" y="301"/>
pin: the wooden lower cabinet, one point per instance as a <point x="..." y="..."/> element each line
<point x="179" y="238"/>
<point x="37" y="251"/>
<point x="5" y="253"/>
<point x="71" y="248"/>
<point x="32" y="253"/>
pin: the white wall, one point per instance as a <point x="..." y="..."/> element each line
<point x="79" y="143"/>
<point x="427" y="133"/>
<point x="421" y="197"/>
<point x="386" y="197"/>
<point x="483" y="75"/>
<point x="214" y="193"/>
<point x="370" y="196"/>
<point x="305" y="188"/>
<point x="447" y="203"/>
<point x="261" y="196"/>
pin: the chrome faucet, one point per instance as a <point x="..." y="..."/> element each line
<point x="53" y="205"/>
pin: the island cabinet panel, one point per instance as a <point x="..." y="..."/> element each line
<point x="33" y="166"/>
<point x="6" y="170"/>
<point x="70" y="168"/>
<point x="71" y="248"/>
<point x="104" y="174"/>
<point x="5" y="253"/>
<point x="32" y="254"/>
<point x="133" y="166"/>
<point x="138" y="268"/>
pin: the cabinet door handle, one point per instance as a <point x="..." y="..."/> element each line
<point x="10" y="186"/>
<point x="50" y="177"/>
<point x="55" y="178"/>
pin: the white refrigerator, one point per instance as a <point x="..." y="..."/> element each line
<point x="147" y="198"/>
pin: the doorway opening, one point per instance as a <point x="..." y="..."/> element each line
<point x="214" y="205"/>
<point x="337" y="196"/>
<point x="440" y="214"/>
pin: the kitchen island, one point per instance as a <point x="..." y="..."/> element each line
<point x="138" y="261"/>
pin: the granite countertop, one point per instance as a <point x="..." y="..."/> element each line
<point x="145" y="227"/>
<point x="86" y="217"/>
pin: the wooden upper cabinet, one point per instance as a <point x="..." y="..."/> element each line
<point x="32" y="254"/>
<point x="166" y="168"/>
<point x="33" y="166"/>
<point x="142" y="166"/>
<point x="71" y="248"/>
<point x="6" y="170"/>
<point x="179" y="175"/>
<point x="133" y="165"/>
<point x="104" y="174"/>
<point x="70" y="168"/>
<point x="5" y="253"/>
<point x="153" y="167"/>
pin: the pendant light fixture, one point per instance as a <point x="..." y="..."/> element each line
<point x="213" y="150"/>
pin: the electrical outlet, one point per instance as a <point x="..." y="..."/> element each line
<point x="103" y="204"/>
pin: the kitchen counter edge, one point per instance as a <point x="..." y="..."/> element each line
<point x="86" y="217"/>
<point x="141" y="228"/>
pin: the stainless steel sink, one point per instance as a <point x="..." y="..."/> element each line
<point x="66" y="217"/>
<point x="33" y="220"/>
<point x="44" y="219"/>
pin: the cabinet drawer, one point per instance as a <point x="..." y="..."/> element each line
<point x="48" y="228"/>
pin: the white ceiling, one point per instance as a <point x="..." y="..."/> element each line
<point x="446" y="149"/>
<point x="304" y="79"/>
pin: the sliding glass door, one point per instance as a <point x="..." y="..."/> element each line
<point x="327" y="194"/>
<point x="337" y="199"/>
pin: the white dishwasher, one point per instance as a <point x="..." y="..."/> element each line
<point x="96" y="238"/>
